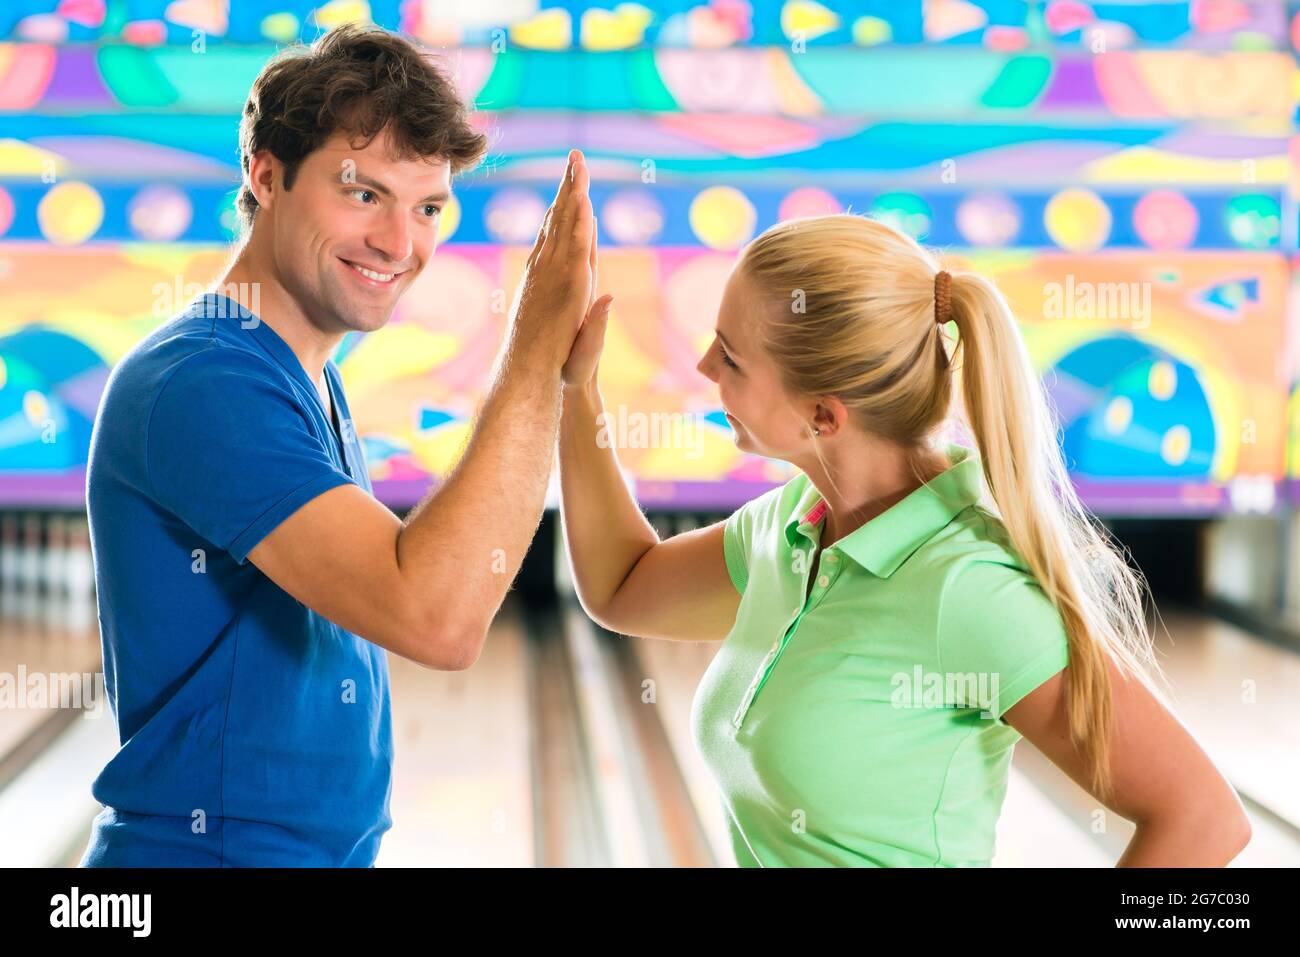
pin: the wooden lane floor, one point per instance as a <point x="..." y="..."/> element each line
<point x="473" y="750"/>
<point x="461" y="779"/>
<point x="56" y="733"/>
<point x="462" y="776"/>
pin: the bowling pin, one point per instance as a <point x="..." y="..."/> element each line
<point x="29" y="555"/>
<point x="9" y="566"/>
<point x="80" y="576"/>
<point x="55" y="575"/>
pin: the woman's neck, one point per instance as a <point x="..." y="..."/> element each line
<point x="863" y="477"/>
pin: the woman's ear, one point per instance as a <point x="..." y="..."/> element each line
<point x="829" y="416"/>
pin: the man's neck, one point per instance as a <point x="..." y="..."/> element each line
<point x="279" y="310"/>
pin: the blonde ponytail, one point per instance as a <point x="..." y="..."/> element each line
<point x="1100" y="598"/>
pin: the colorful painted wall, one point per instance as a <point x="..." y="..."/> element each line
<point x="1126" y="172"/>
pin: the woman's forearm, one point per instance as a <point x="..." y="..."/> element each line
<point x="605" y="530"/>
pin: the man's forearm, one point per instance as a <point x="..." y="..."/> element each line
<point x="460" y="549"/>
<point x="463" y="545"/>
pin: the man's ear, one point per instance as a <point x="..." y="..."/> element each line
<point x="262" y="177"/>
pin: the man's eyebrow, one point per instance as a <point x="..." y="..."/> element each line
<point x="379" y="187"/>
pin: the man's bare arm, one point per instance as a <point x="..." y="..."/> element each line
<point x="428" y="588"/>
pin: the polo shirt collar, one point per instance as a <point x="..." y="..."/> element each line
<point x="885" y="542"/>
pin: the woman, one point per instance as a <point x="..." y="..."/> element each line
<point x="903" y="611"/>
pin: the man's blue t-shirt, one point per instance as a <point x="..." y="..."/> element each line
<point x="254" y="732"/>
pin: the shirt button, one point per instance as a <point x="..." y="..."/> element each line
<point x="832" y="558"/>
<point x="823" y="581"/>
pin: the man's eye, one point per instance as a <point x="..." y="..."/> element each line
<point x="362" y="194"/>
<point x="430" y="210"/>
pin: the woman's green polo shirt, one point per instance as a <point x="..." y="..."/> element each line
<point x="856" y="718"/>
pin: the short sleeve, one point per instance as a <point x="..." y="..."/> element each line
<point x="229" y="451"/>
<point x="999" y="632"/>
<point x="737" y="536"/>
<point x="751" y="523"/>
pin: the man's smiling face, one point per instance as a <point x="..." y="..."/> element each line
<point x="355" y="229"/>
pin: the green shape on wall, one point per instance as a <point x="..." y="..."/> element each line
<point x="575" y="80"/>
<point x="1021" y="82"/>
<point x="132" y="74"/>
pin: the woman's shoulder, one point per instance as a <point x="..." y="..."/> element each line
<point x="984" y="571"/>
<point x="973" y="561"/>
<point x="977" y="535"/>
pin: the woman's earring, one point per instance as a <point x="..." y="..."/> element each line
<point x="817" y="431"/>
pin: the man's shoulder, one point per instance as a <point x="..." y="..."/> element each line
<point x="192" y="346"/>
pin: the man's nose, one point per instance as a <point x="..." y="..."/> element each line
<point x="392" y="236"/>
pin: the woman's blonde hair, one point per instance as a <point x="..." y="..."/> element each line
<point x="853" y="315"/>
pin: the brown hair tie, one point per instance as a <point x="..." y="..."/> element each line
<point x="942" y="296"/>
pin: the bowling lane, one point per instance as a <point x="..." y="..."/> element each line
<point x="676" y="667"/>
<point x="36" y="659"/>
<point x="462" y="788"/>
<point x="462" y="793"/>
<point x="56" y="728"/>
<point x="1241" y="697"/>
<point x="475" y="749"/>
<point x="46" y="808"/>
<point x="641" y="797"/>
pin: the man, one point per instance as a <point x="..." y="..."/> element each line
<point x="249" y="583"/>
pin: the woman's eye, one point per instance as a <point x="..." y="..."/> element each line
<point x="726" y="359"/>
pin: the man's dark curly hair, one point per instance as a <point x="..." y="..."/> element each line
<point x="362" y="80"/>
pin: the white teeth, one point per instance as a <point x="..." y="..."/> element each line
<point x="371" y="274"/>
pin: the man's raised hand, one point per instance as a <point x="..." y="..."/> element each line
<point x="558" y="282"/>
